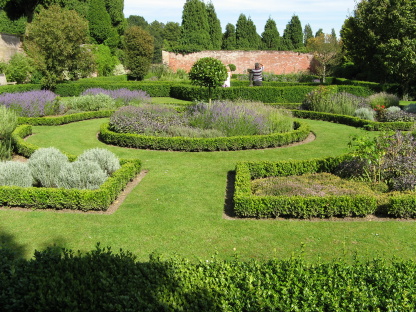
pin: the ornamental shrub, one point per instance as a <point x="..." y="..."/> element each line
<point x="35" y="103"/>
<point x="411" y="108"/>
<point x="45" y="165"/>
<point x="365" y="113"/>
<point x="383" y="99"/>
<point x="84" y="174"/>
<point x="122" y="96"/>
<point x="15" y="173"/>
<point x="87" y="103"/>
<point x="107" y="160"/>
<point x="8" y="123"/>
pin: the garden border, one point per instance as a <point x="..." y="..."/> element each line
<point x="58" y="198"/>
<point x="234" y="143"/>
<point x="247" y="205"/>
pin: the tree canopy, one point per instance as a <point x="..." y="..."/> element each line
<point x="380" y="38"/>
<point x="293" y="34"/>
<point x="55" y="40"/>
<point x="270" y="38"/>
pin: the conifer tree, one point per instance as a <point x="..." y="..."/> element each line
<point x="319" y="33"/>
<point x="195" y="29"/>
<point x="270" y="38"/>
<point x="99" y="21"/>
<point x="115" y="10"/>
<point x="241" y="33"/>
<point x="138" y="48"/>
<point x="307" y="34"/>
<point x="171" y="34"/>
<point x="214" y="27"/>
<point x="293" y="34"/>
<point x="228" y="38"/>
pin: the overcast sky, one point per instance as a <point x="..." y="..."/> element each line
<point x="317" y="13"/>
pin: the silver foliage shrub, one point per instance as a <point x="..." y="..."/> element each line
<point x="365" y="113"/>
<point x="81" y="175"/>
<point x="107" y="160"/>
<point x="45" y="165"/>
<point x="411" y="108"/>
<point x="15" y="173"/>
<point x="88" y="103"/>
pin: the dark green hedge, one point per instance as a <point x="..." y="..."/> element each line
<point x="354" y="121"/>
<point x="156" y="89"/>
<point x="265" y="94"/>
<point x="204" y="144"/>
<point x="58" y="198"/>
<point x="248" y="205"/>
<point x="102" y="280"/>
<point x="19" y="88"/>
<point x="64" y="119"/>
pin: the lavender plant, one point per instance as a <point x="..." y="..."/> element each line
<point x="14" y="173"/>
<point x="122" y="96"/>
<point x="36" y="103"/>
<point x="145" y="119"/>
<point x="365" y="113"/>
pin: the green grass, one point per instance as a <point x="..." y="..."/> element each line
<point x="178" y="208"/>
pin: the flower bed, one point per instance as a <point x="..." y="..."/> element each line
<point x="397" y="204"/>
<point x="204" y="144"/>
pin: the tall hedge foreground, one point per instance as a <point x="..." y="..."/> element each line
<point x="101" y="280"/>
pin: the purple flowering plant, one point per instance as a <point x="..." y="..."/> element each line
<point x="35" y="103"/>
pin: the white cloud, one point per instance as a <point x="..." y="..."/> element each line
<point x="318" y="13"/>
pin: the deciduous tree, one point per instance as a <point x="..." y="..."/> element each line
<point x="380" y="38"/>
<point x="55" y="41"/>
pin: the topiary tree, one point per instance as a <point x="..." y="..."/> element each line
<point x="208" y="72"/>
<point x="138" y="48"/>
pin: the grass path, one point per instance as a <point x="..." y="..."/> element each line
<point x="178" y="208"/>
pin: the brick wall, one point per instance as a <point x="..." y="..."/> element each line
<point x="9" y="45"/>
<point x="277" y="62"/>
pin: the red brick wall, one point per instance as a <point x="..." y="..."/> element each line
<point x="277" y="62"/>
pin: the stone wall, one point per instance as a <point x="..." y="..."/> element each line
<point x="9" y="45"/>
<point x="277" y="62"/>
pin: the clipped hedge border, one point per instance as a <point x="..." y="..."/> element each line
<point x="246" y="204"/>
<point x="57" y="198"/>
<point x="64" y="119"/>
<point x="204" y="144"/>
<point x="354" y="121"/>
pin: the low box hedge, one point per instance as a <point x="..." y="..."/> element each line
<point x="154" y="88"/>
<point x="402" y="205"/>
<point x="75" y="199"/>
<point x="54" y="198"/>
<point x="64" y="119"/>
<point x="354" y="121"/>
<point x="204" y="144"/>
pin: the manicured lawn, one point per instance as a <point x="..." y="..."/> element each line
<point x="178" y="208"/>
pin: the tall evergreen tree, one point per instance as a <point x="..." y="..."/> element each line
<point x="99" y="21"/>
<point x="138" y="45"/>
<point x="156" y="30"/>
<point x="115" y="10"/>
<point x="270" y="38"/>
<point x="171" y="34"/>
<point x="135" y="20"/>
<point x="228" y="38"/>
<point x="241" y="33"/>
<point x="293" y="34"/>
<point x="320" y="32"/>
<point x="247" y="37"/>
<point x="307" y="34"/>
<point x="333" y="33"/>
<point x="214" y="23"/>
<point x="195" y="28"/>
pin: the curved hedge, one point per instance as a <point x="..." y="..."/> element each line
<point x="354" y="121"/>
<point x="204" y="144"/>
<point x="58" y="198"/>
<point x="64" y="119"/>
<point x="400" y="205"/>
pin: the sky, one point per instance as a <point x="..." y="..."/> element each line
<point x="316" y="13"/>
